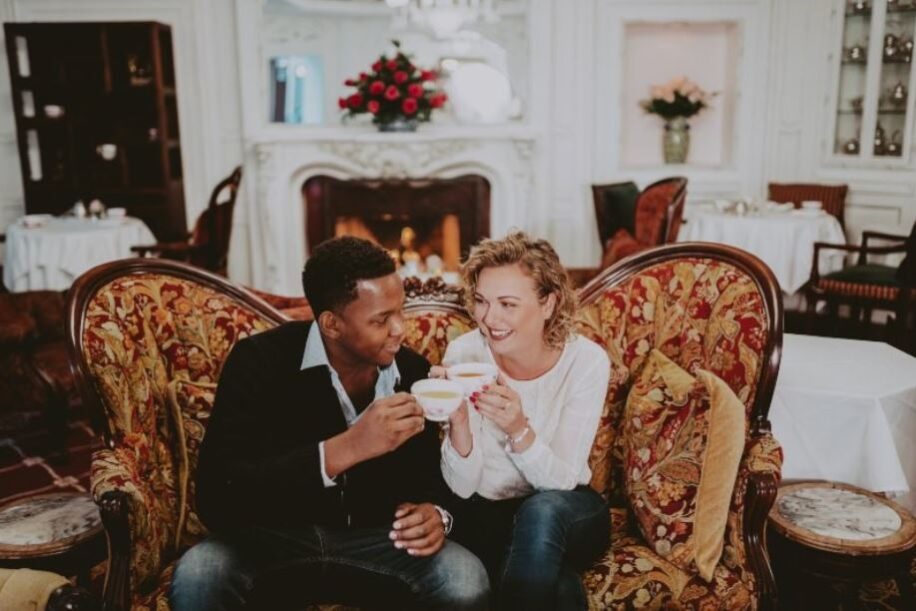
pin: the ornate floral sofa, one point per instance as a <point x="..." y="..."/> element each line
<point x="150" y="337"/>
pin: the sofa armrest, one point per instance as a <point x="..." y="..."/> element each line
<point x="125" y="502"/>
<point x="763" y="461"/>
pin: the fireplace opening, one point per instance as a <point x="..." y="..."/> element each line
<point x="428" y="225"/>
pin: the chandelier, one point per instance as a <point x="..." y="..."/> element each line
<point x="443" y="18"/>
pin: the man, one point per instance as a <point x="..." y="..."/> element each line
<point x="316" y="476"/>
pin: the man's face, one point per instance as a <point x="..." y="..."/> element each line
<point x="371" y="327"/>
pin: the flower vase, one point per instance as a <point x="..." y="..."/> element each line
<point x="398" y="124"/>
<point x="676" y="140"/>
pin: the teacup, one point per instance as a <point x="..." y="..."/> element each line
<point x="117" y="213"/>
<point x="438" y="398"/>
<point x="472" y="376"/>
<point x="812" y="205"/>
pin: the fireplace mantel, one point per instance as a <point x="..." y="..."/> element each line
<point x="287" y="157"/>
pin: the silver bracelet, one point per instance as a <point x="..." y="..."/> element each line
<point x="521" y="436"/>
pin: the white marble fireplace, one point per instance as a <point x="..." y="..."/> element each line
<point x="286" y="158"/>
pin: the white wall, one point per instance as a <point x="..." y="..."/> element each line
<point x="572" y="66"/>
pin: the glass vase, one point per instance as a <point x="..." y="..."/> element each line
<point x="399" y="124"/>
<point x="676" y="140"/>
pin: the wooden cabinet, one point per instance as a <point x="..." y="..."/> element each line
<point x="96" y="117"/>
<point x="875" y="76"/>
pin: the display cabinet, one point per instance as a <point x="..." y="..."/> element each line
<point x="96" y="118"/>
<point x="875" y="77"/>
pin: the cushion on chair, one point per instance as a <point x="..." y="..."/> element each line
<point x="621" y="245"/>
<point x="684" y="440"/>
<point x="867" y="281"/>
<point x="868" y="273"/>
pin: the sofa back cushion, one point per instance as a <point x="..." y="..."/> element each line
<point x="684" y="439"/>
<point x="429" y="330"/>
<point x="701" y="312"/>
<point x="141" y="333"/>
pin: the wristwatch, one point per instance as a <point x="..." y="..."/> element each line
<point x="447" y="520"/>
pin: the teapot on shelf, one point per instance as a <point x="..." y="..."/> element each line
<point x="898" y="94"/>
<point x="891" y="47"/>
<point x="879" y="140"/>
<point x="894" y="147"/>
<point x="851" y="146"/>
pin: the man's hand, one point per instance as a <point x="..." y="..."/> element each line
<point x="384" y="426"/>
<point x="418" y="529"/>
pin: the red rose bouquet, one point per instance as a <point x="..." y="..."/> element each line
<point x="394" y="91"/>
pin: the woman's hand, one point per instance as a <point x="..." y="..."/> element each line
<point x="502" y="405"/>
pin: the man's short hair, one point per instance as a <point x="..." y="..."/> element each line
<point x="331" y="273"/>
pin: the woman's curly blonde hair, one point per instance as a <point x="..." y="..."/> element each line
<point x="540" y="261"/>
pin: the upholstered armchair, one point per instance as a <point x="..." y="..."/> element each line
<point x="658" y="216"/>
<point x="708" y="307"/>
<point x="149" y="337"/>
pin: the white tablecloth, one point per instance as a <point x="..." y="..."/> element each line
<point x="54" y="255"/>
<point x="782" y="240"/>
<point x="845" y="410"/>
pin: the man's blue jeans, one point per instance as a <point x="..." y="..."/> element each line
<point x="277" y="569"/>
<point x="535" y="547"/>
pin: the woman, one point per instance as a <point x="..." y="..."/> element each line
<point x="519" y="455"/>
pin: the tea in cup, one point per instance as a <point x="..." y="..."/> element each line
<point x="438" y="398"/>
<point x="472" y="376"/>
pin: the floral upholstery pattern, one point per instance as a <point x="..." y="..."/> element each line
<point x="430" y="330"/>
<point x="142" y="332"/>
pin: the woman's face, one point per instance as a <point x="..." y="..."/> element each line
<point x="508" y="311"/>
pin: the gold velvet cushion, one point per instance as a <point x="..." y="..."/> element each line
<point x="684" y="440"/>
<point x="191" y="404"/>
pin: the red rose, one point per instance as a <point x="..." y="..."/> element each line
<point x="373" y="106"/>
<point x="351" y="83"/>
<point x="438" y="100"/>
<point x="415" y="90"/>
<point x="377" y="66"/>
<point x="342" y="102"/>
<point x="392" y="93"/>
<point x="363" y="76"/>
<point x="409" y="106"/>
<point x="392" y="65"/>
<point x="427" y="75"/>
<point x="355" y="100"/>
<point x="400" y="76"/>
<point x="377" y="87"/>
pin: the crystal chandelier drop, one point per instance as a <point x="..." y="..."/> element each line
<point x="443" y="18"/>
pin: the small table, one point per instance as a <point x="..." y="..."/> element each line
<point x="782" y="240"/>
<point x="830" y="532"/>
<point x="52" y="256"/>
<point x="59" y="532"/>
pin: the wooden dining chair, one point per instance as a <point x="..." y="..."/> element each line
<point x="615" y="208"/>
<point x="832" y="197"/>
<point x="867" y="286"/>
<point x="207" y="246"/>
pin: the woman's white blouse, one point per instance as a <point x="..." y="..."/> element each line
<point x="563" y="407"/>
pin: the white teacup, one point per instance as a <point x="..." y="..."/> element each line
<point x="117" y="213"/>
<point x="438" y="398"/>
<point x="812" y="205"/>
<point x="472" y="376"/>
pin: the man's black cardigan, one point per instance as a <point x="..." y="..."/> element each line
<point x="259" y="461"/>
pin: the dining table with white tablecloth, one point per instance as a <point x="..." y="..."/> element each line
<point x="845" y="411"/>
<point x="783" y="239"/>
<point x="53" y="253"/>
